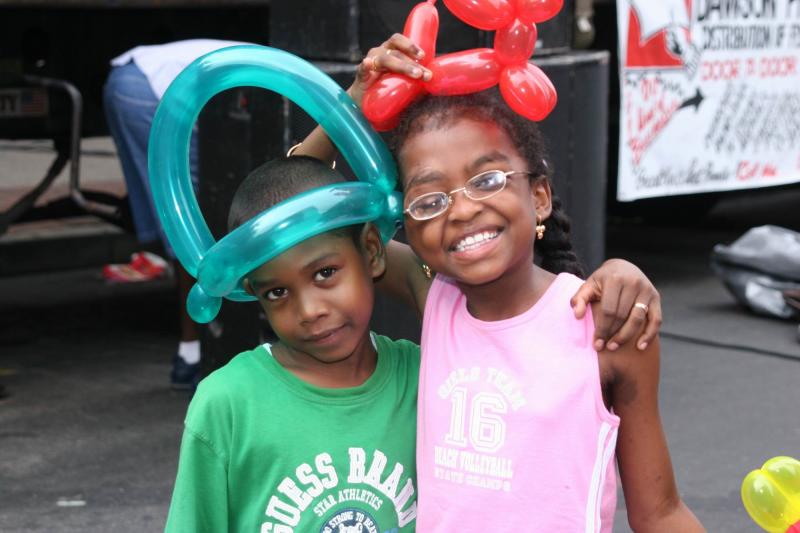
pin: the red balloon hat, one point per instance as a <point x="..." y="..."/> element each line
<point x="525" y="88"/>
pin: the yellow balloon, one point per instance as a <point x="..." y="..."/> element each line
<point x="771" y="494"/>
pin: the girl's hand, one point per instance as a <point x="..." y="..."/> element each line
<point x="398" y="55"/>
<point x="619" y="286"/>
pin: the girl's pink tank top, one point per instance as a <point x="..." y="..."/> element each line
<point x="513" y="434"/>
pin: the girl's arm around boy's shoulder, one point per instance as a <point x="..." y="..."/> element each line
<point x="651" y="494"/>
<point x="620" y="286"/>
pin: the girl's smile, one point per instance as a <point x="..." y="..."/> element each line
<point x="475" y="244"/>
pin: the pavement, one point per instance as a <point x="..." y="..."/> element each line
<point x="89" y="431"/>
<point x="728" y="392"/>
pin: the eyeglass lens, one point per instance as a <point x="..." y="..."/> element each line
<point x="485" y="184"/>
<point x="478" y="187"/>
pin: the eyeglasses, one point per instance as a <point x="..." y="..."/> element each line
<point x="480" y="187"/>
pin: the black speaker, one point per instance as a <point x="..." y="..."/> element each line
<point x="576" y="133"/>
<point x="345" y="30"/>
<point x="239" y="130"/>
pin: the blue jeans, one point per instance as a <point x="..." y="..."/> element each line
<point x="130" y="106"/>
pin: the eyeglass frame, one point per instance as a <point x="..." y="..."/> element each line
<point x="463" y="189"/>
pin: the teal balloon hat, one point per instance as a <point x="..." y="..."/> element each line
<point x="220" y="266"/>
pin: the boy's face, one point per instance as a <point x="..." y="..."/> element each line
<point x="318" y="295"/>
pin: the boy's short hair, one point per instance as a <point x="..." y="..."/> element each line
<point x="276" y="181"/>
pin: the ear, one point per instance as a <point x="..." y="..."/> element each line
<point x="542" y="197"/>
<point x="247" y="287"/>
<point x="373" y="250"/>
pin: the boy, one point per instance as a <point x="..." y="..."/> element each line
<point x="315" y="432"/>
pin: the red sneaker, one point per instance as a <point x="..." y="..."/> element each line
<point x="144" y="266"/>
<point x="149" y="264"/>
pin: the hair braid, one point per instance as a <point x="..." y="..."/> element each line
<point x="555" y="248"/>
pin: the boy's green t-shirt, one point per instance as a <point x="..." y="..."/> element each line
<point x="265" y="452"/>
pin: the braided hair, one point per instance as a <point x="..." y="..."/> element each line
<point x="432" y="112"/>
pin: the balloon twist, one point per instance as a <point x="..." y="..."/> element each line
<point x="525" y="88"/>
<point x="771" y="495"/>
<point x="220" y="266"/>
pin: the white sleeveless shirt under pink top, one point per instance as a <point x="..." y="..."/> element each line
<point x="513" y="434"/>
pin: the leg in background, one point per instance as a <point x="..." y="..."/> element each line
<point x="186" y="364"/>
<point x="130" y="106"/>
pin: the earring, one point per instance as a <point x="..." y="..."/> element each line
<point x="539" y="229"/>
<point x="427" y="270"/>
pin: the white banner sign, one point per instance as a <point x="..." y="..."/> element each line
<point x="710" y="95"/>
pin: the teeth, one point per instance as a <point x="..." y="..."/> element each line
<point x="474" y="241"/>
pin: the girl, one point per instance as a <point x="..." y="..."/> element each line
<point x="617" y="284"/>
<point x="519" y="415"/>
